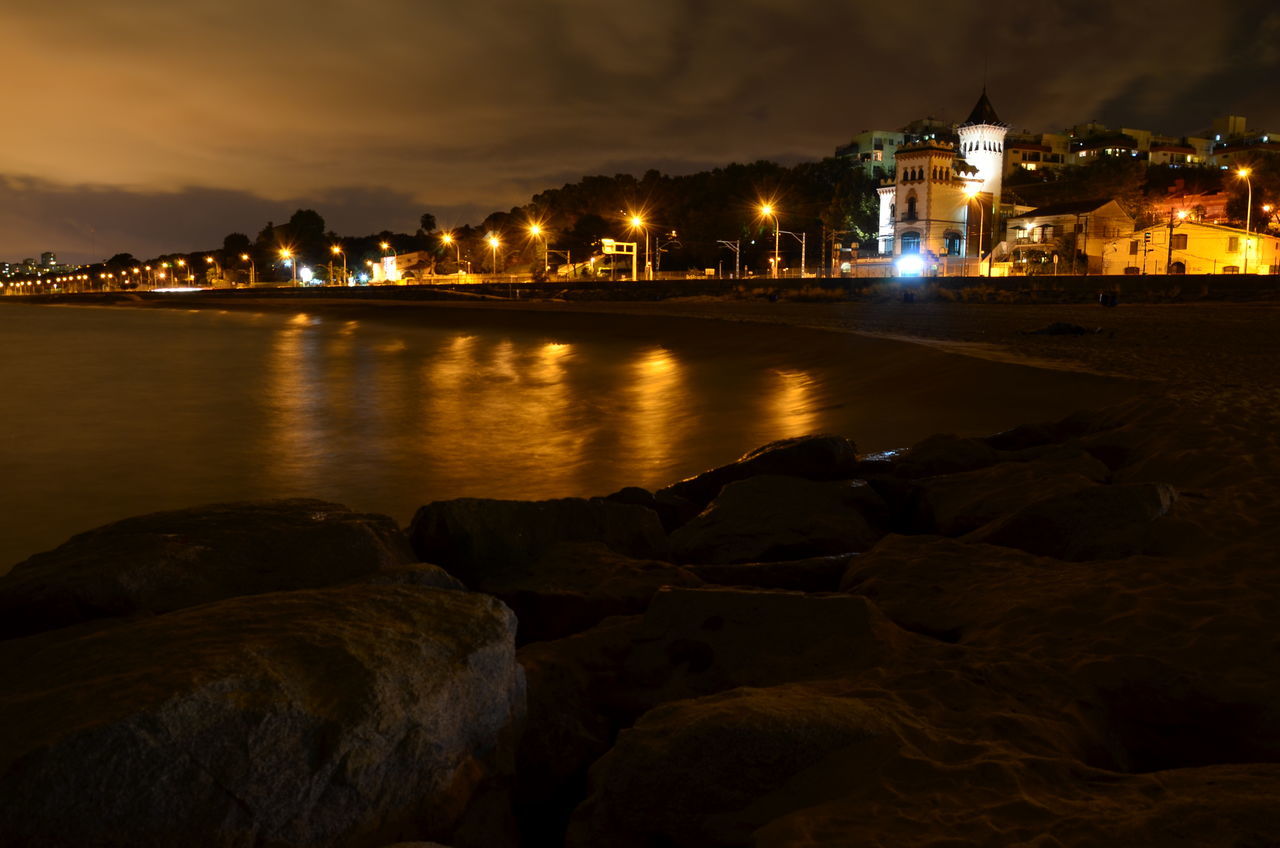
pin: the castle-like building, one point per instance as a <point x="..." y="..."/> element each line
<point x="944" y="196"/>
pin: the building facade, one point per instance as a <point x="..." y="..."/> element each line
<point x="943" y="192"/>
<point x="1189" y="247"/>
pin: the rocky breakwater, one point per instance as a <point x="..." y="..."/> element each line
<point x="1058" y="635"/>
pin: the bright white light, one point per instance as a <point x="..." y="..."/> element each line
<point x="910" y="265"/>
<point x="305" y="274"/>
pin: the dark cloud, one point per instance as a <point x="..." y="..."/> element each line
<point x="147" y="122"/>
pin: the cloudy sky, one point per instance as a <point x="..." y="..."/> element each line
<point x="152" y="125"/>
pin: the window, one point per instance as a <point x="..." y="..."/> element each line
<point x="1231" y="269"/>
<point x="1233" y="246"/>
<point x="1133" y="247"/>
<point x="910" y="242"/>
<point x="1179" y="241"/>
<point x="953" y="244"/>
<point x="911" y="210"/>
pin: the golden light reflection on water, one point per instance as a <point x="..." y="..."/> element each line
<point x="503" y="412"/>
<point x="659" y="415"/>
<point x="791" y="406"/>
<point x="297" y="407"/>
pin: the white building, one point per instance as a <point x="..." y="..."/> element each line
<point x="925" y="209"/>
<point x="1188" y="247"/>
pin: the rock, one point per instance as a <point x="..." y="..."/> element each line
<point x="771" y="517"/>
<point x="424" y="575"/>
<point x="699" y="641"/>
<point x="170" y="560"/>
<point x="691" y="773"/>
<point x="945" y="454"/>
<point x="346" y="716"/>
<point x="818" y="574"/>
<point x="478" y="540"/>
<point x="955" y="504"/>
<point x="1101" y="522"/>
<point x="576" y="585"/>
<point x="673" y="510"/>
<point x="572" y="721"/>
<point x="809" y="457"/>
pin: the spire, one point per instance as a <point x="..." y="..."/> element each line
<point x="983" y="113"/>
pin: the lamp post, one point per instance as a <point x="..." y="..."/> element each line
<point x="209" y="260"/>
<point x="244" y="257"/>
<point x="447" y="238"/>
<point x="1168" y="260"/>
<point x="803" y="238"/>
<point x="1248" y="214"/>
<point x="637" y="223"/>
<point x="287" y="255"/>
<point x="767" y="211"/>
<point x="537" y="232"/>
<point x="336" y="250"/>
<point x="972" y="193"/>
<point x="182" y="263"/>
<point x="494" y="242"/>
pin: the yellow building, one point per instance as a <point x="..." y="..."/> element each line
<point x="1188" y="247"/>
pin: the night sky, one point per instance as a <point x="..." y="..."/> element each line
<point x="154" y="126"/>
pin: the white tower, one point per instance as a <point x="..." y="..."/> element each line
<point x="982" y="146"/>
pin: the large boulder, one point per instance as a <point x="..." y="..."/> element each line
<point x="816" y="574"/>
<point x="170" y="560"/>
<point x="811" y="457"/>
<point x="771" y="517"/>
<point x="694" y="773"/>
<point x="479" y="540"/>
<point x="955" y="504"/>
<point x="347" y="716"/>
<point x="699" y="641"/>
<point x="575" y="585"/>
<point x="945" y="454"/>
<point x="1099" y="522"/>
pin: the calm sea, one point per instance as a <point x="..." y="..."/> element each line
<point x="110" y="412"/>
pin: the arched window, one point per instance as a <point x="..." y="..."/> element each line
<point x="910" y="243"/>
<point x="953" y="243"/>
<point x="911" y="210"/>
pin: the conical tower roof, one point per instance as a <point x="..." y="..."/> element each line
<point x="983" y="113"/>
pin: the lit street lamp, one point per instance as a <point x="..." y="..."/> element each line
<point x="447" y="238"/>
<point x="253" y="272"/>
<point x="337" y="250"/>
<point x="536" y="231"/>
<point x="287" y="255"/>
<point x="182" y="263"/>
<point x="637" y="223"/>
<point x="493" y="245"/>
<point x="209" y="260"/>
<point x="1248" y="214"/>
<point x="972" y="192"/>
<point x="767" y="211"/>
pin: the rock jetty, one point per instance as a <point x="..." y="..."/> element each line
<point x="1058" y="635"/>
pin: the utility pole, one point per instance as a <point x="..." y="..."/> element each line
<point x="736" y="247"/>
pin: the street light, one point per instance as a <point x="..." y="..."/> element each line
<point x="1248" y="214"/>
<point x="493" y="244"/>
<point x="209" y="260"/>
<point x="336" y="250"/>
<point x="447" y="238"/>
<point x="386" y="247"/>
<point x="637" y="223"/>
<point x="287" y="255"/>
<point x="535" y="230"/>
<point x="182" y="263"/>
<point x="244" y="257"/>
<point x="767" y="211"/>
<point x="972" y="192"/>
